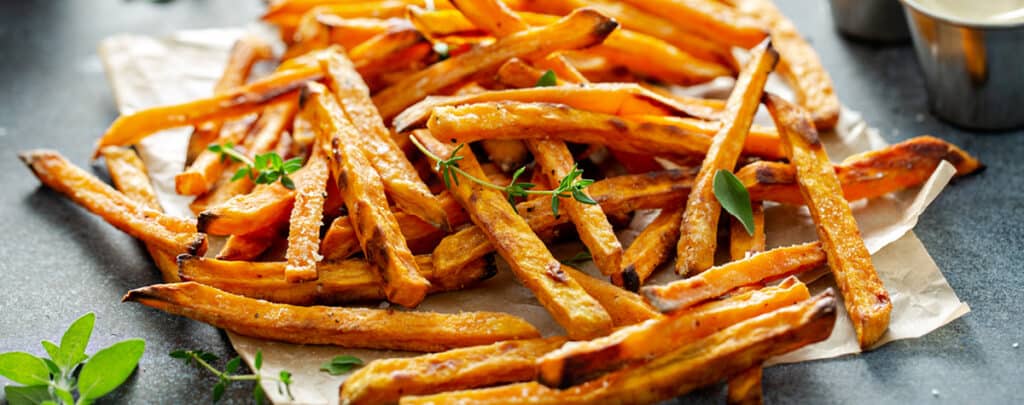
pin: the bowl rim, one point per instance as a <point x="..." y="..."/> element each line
<point x="913" y="5"/>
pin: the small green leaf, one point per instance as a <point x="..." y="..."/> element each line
<point x="31" y="395"/>
<point x="218" y="391"/>
<point x="582" y="197"/>
<point x="24" y="368"/>
<point x="216" y="148"/>
<point x="241" y="174"/>
<point x="257" y="394"/>
<point x="554" y="205"/>
<point x="260" y="161"/>
<point x="734" y="198"/>
<point x="292" y="165"/>
<point x="206" y="356"/>
<point x="287" y="182"/>
<point x="286" y="380"/>
<point x="54" y="368"/>
<point x="74" y="341"/>
<point x="52" y="349"/>
<point x="275" y="160"/>
<point x="180" y="354"/>
<point x="548" y="79"/>
<point x="109" y="368"/>
<point x="258" y="362"/>
<point x="232" y="365"/>
<point x="66" y="397"/>
<point x="341" y="365"/>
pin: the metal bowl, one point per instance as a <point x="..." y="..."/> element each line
<point x="973" y="71"/>
<point x="871" y="20"/>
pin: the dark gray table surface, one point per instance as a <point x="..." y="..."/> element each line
<point x="58" y="261"/>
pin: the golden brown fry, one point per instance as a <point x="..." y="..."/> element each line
<point x="385" y="381"/>
<point x="606" y="98"/>
<point x="266" y="205"/>
<point x="345" y="327"/>
<point x="397" y="174"/>
<point x="577" y="362"/>
<point x="699" y="227"/>
<point x="508" y="155"/>
<point x="249" y="246"/>
<point x="163" y="232"/>
<point x="650" y="249"/>
<point x="580" y="314"/>
<point x="363" y="192"/>
<point x="682" y="370"/>
<point x="865" y="297"/>
<point x="263" y="137"/>
<point x="130" y="177"/>
<point x="709" y="19"/>
<point x="652" y="57"/>
<point x="248" y="50"/>
<point x="743" y="244"/>
<point x="580" y="29"/>
<point x="716" y="281"/>
<point x="799" y="63"/>
<point x="625" y="308"/>
<point x="616" y="195"/>
<point x="866" y="175"/>
<point x="745" y="387"/>
<point x="305" y="221"/>
<point x="340" y="281"/>
<point x="129" y="129"/>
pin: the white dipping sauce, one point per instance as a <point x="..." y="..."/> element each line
<point x="977" y="11"/>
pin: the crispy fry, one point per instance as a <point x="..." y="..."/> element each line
<point x="699" y="227"/>
<point x="363" y="192"/>
<point x="682" y="370"/>
<point x="508" y="155"/>
<point x="650" y="56"/>
<point x="340" y="281"/>
<point x="580" y="314"/>
<point x="865" y="297"/>
<point x="129" y="129"/>
<point x="396" y="172"/>
<point x="745" y="387"/>
<point x="249" y="246"/>
<point x="580" y="29"/>
<point x="385" y="381"/>
<point x="617" y="194"/>
<point x="867" y="175"/>
<point x="761" y="141"/>
<point x="577" y="362"/>
<point x="265" y="206"/>
<point x="799" y="63"/>
<point x="606" y="98"/>
<point x="625" y="308"/>
<point x="248" y="50"/>
<point x="345" y="327"/>
<point x="716" y="281"/>
<point x="264" y="137"/>
<point x="742" y="244"/>
<point x="130" y="177"/>
<point x="163" y="232"/>
<point x="650" y="249"/>
<point x="709" y="19"/>
<point x="305" y="221"/>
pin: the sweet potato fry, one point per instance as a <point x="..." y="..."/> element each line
<point x="650" y="249"/>
<point x="716" y="281"/>
<point x="577" y="362"/>
<point x="305" y="221"/>
<point x="625" y="308"/>
<point x="682" y="370"/>
<point x="208" y="166"/>
<point x="761" y="141"/>
<point x="865" y="297"/>
<point x="163" y="232"/>
<point x="652" y="57"/>
<point x="745" y="387"/>
<point x="129" y="129"/>
<point x="318" y="31"/>
<point x="363" y="192"/>
<point x="340" y="281"/>
<point x="397" y="174"/>
<point x="249" y="246"/>
<point x="266" y="205"/>
<point x="130" y="177"/>
<point x="606" y="98"/>
<point x="345" y="327"/>
<point x="385" y="381"/>
<point x="580" y="29"/>
<point x="248" y="50"/>
<point x="798" y="63"/>
<point x="580" y="314"/>
<point x="699" y="227"/>
<point x="866" y="175"/>
<point x="709" y="19"/>
<point x="617" y="194"/>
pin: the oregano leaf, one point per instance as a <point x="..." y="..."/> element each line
<point x="109" y="368"/>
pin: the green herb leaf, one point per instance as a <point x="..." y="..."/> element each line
<point x="241" y="173"/>
<point x="292" y="165"/>
<point x="52" y="349"/>
<point x="72" y="344"/>
<point x="218" y="391"/>
<point x="548" y="79"/>
<point x="257" y="394"/>
<point x="259" y="360"/>
<point x="31" y="395"/>
<point x="109" y="368"/>
<point x="341" y="365"/>
<point x="287" y="182"/>
<point x="232" y="365"/>
<point x="24" y="368"/>
<point x="734" y="198"/>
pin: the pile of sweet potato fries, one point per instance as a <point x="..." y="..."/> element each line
<point x="381" y="161"/>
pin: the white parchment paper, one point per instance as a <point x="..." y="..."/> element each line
<point x="146" y="72"/>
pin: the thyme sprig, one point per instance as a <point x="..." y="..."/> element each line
<point x="264" y="168"/>
<point x="203" y="359"/>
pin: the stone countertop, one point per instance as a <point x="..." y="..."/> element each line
<point x="58" y="262"/>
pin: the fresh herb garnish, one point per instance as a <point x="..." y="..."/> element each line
<point x="265" y="168"/>
<point x="341" y="364"/>
<point x="570" y="186"/>
<point x="547" y="79"/>
<point x="442" y="50"/>
<point x="54" y="380"/>
<point x="203" y="359"/>
<point x="734" y="198"/>
<point x="578" y="259"/>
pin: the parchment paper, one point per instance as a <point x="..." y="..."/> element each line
<point x="147" y="72"/>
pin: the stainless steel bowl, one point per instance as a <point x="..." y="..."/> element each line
<point x="974" y="72"/>
<point x="872" y="20"/>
